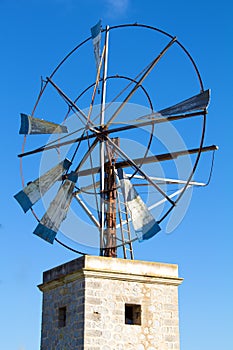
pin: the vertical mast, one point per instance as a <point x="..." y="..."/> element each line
<point x="102" y="155"/>
<point x="110" y="198"/>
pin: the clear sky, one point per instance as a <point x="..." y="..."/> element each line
<point x="35" y="36"/>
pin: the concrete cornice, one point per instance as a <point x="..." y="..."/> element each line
<point x="112" y="269"/>
<point x="133" y="277"/>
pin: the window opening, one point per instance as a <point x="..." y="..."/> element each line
<point x="133" y="314"/>
<point x="62" y="316"/>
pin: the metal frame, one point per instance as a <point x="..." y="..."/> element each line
<point x="100" y="134"/>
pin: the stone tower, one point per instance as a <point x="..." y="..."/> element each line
<point x="99" y="303"/>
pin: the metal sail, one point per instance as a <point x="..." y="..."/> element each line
<point x="96" y="39"/>
<point x="36" y="189"/>
<point x="144" y="224"/>
<point x="197" y="102"/>
<point x="57" y="211"/>
<point x="31" y="125"/>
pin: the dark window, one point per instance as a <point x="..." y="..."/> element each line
<point x="62" y="316"/>
<point x="132" y="314"/>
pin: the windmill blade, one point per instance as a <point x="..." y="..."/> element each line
<point x="57" y="211"/>
<point x="96" y="39"/>
<point x="144" y="224"/>
<point x="36" y="189"/>
<point x="158" y="203"/>
<point x="197" y="102"/>
<point x="31" y="125"/>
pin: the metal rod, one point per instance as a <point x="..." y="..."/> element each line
<point x="120" y="224"/>
<point x="163" y="200"/>
<point x="147" y="72"/>
<point x="119" y="129"/>
<point x="166" y="181"/>
<point x="86" y="155"/>
<point x="89" y="187"/>
<point x="67" y="98"/>
<point x="158" y="179"/>
<point x="133" y="164"/>
<point x="86" y="209"/>
<point x="102" y="160"/>
<point x="152" y="159"/>
<point x="71" y="103"/>
<point x="93" y="180"/>
<point x="166" y="156"/>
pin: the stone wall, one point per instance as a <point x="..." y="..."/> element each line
<point x="71" y="296"/>
<point x="95" y="294"/>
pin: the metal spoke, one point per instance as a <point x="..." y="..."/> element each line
<point x="137" y="124"/>
<point x="166" y="181"/>
<point x="86" y="209"/>
<point x="147" y="72"/>
<point x="134" y="165"/>
<point x="86" y="155"/>
<point x="153" y="159"/>
<point x="72" y="104"/>
<point x="96" y="84"/>
<point x="93" y="179"/>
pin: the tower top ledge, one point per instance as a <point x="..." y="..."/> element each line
<point x="115" y="268"/>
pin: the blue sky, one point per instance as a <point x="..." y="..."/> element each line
<point x="35" y="36"/>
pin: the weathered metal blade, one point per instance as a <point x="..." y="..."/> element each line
<point x="96" y="39"/>
<point x="57" y="211"/>
<point x="195" y="103"/>
<point x="144" y="224"/>
<point x="158" y="203"/>
<point x="31" y="125"/>
<point x="36" y="189"/>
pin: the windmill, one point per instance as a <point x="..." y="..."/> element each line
<point x="109" y="175"/>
